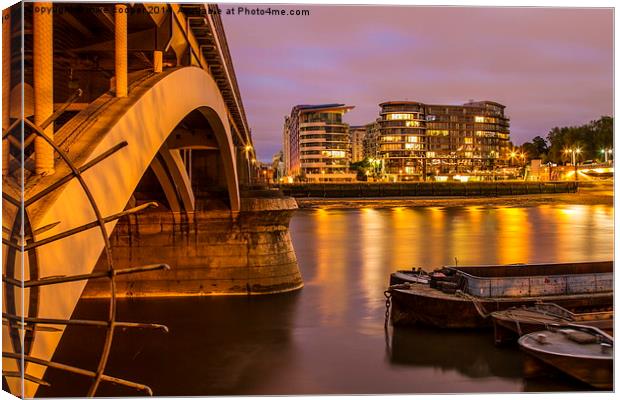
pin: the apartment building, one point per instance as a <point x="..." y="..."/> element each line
<point x="417" y="140"/>
<point x="371" y="140"/>
<point x="316" y="143"/>
<point x="356" y="139"/>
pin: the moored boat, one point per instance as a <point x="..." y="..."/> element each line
<point x="583" y="352"/>
<point x="464" y="297"/>
<point x="513" y="323"/>
<point x="409" y="276"/>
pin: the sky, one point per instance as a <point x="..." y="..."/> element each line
<point x="549" y="66"/>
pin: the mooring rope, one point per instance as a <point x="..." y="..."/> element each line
<point x="479" y="307"/>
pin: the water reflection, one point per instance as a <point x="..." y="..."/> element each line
<point x="513" y="235"/>
<point x="466" y="352"/>
<point x="216" y="345"/>
<point x="328" y="338"/>
<point x="471" y="355"/>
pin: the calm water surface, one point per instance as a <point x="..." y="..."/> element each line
<point x="329" y="337"/>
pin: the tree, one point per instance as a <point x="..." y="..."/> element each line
<point x="537" y="148"/>
<point x="540" y="145"/>
<point x="590" y="138"/>
<point x="361" y="168"/>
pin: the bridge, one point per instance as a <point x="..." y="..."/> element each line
<point x="137" y="167"/>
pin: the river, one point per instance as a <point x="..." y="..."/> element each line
<point x="329" y="337"/>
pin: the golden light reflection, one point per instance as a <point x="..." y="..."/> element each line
<point x="574" y="238"/>
<point x="375" y="268"/>
<point x="331" y="230"/>
<point x="514" y="235"/>
<point x="463" y="232"/>
<point x="406" y="238"/>
<point x="356" y="250"/>
<point x="432" y="242"/>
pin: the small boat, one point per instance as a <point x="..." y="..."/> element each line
<point x="515" y="322"/>
<point x="465" y="296"/>
<point x="583" y="352"/>
<point x="409" y="276"/>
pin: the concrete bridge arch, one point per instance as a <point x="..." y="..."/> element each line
<point x="146" y="119"/>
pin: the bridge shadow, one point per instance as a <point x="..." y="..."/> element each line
<point x="217" y="345"/>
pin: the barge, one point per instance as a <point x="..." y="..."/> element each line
<point x="464" y="297"/>
<point x="509" y="325"/>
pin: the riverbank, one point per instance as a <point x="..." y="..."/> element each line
<point x="369" y="190"/>
<point x="587" y="194"/>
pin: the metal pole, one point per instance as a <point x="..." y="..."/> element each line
<point x="120" y="49"/>
<point x="575" y="165"/>
<point x="43" y="50"/>
<point x="158" y="61"/>
<point x="6" y="85"/>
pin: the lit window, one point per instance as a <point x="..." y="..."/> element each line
<point x="430" y="154"/>
<point x="388" y="138"/>
<point x="467" y="140"/>
<point x="334" y="153"/>
<point x="391" y="146"/>
<point x="412" y="123"/>
<point x="413" y="146"/>
<point x="412" y="139"/>
<point x="399" y="116"/>
<point x="478" y="119"/>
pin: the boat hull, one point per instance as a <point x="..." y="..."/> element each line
<point x="423" y="305"/>
<point x="594" y="369"/>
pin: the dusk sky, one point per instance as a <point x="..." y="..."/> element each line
<point x="550" y="67"/>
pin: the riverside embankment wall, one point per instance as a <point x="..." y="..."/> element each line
<point x="432" y="189"/>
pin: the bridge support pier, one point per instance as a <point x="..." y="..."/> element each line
<point x="158" y="61"/>
<point x="120" y="49"/>
<point x="210" y="252"/>
<point x="6" y="85"/>
<point x="43" y="63"/>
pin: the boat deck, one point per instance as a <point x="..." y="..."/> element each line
<point x="427" y="291"/>
<point x="523" y="315"/>
<point x="558" y="343"/>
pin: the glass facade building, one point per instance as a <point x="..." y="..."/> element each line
<point x="418" y="140"/>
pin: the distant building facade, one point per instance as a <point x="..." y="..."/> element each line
<point x="417" y="140"/>
<point x="277" y="165"/>
<point x="371" y="140"/>
<point x="356" y="138"/>
<point x="316" y="143"/>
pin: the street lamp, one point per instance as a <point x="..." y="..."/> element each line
<point x="513" y="154"/>
<point x="606" y="152"/>
<point x="573" y="152"/>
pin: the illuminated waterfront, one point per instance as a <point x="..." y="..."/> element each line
<point x="329" y="337"/>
